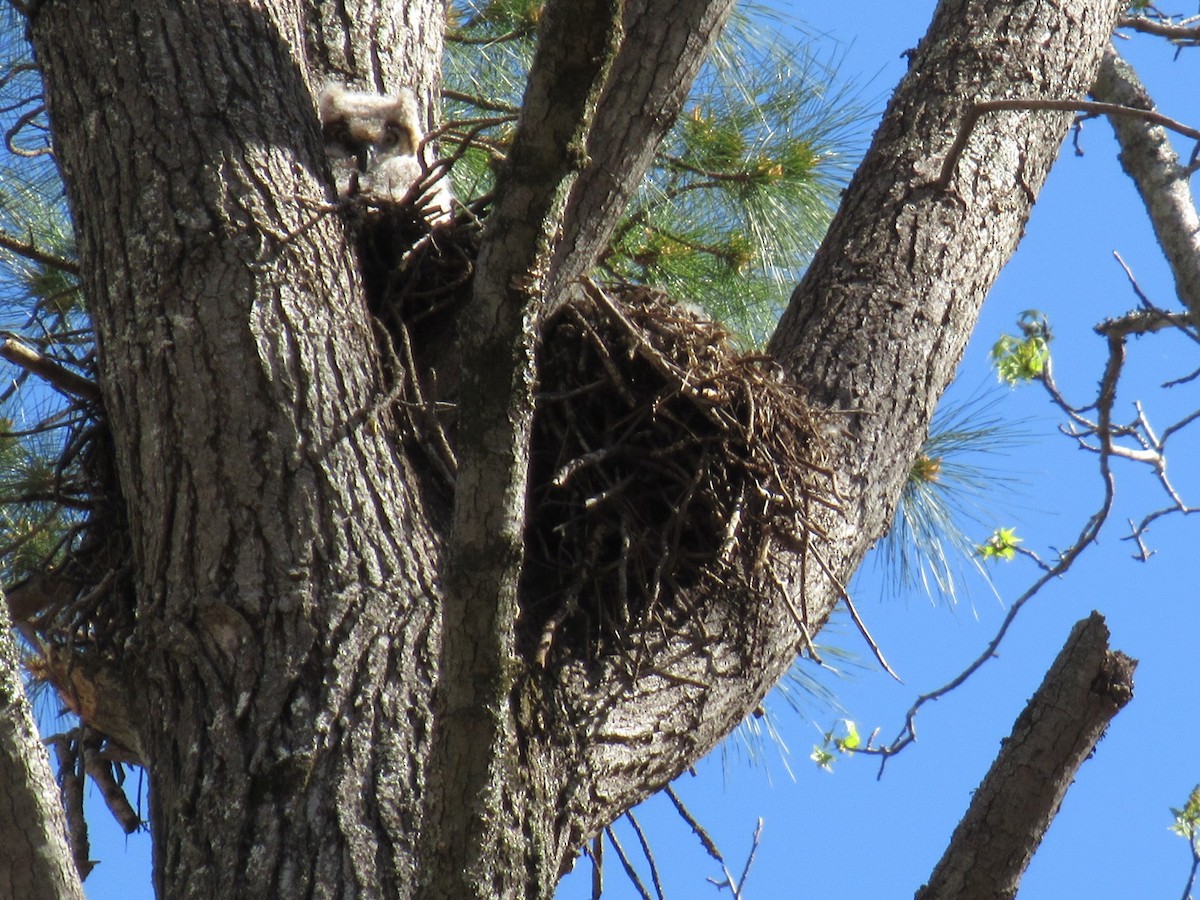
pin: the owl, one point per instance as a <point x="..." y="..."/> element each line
<point x="373" y="143"/>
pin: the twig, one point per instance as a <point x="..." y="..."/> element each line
<point x="31" y="252"/>
<point x="861" y="625"/>
<point x="1187" y="888"/>
<point x="710" y="846"/>
<point x="751" y="855"/>
<point x="71" y="780"/>
<point x="641" y="836"/>
<point x="798" y="616"/>
<point x="1087" y="535"/>
<point x="102" y="774"/>
<point x="597" y="854"/>
<point x="1034" y="103"/>
<point x="1173" y="31"/>
<point x="21" y="354"/>
<point x="634" y="878"/>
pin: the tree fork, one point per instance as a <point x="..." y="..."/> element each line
<point x="287" y="641"/>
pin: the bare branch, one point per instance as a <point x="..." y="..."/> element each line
<point x="30" y="251"/>
<point x="706" y="840"/>
<point x="1030" y="103"/>
<point x="750" y="856"/>
<point x="1149" y="159"/>
<point x="627" y="865"/>
<point x="1058" y="729"/>
<point x="1176" y="32"/>
<point x="21" y="354"/>
<point x="646" y="852"/>
<point x="1066" y="559"/>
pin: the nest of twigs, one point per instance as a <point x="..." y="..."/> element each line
<point x="662" y="456"/>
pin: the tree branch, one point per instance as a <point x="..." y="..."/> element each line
<point x="21" y="354"/>
<point x="1058" y="729"/>
<point x="1174" y="31"/>
<point x="35" y="860"/>
<point x="30" y="251"/>
<point x="873" y="335"/>
<point x="664" y="44"/>
<point x="1149" y="159"/>
<point x="906" y="265"/>
<point x="1118" y="110"/>
<point x="473" y="834"/>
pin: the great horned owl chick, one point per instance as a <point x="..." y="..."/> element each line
<point x="373" y="143"/>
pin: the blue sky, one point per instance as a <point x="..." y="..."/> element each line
<point x="849" y="834"/>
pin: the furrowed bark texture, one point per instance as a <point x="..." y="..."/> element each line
<point x="286" y="628"/>
<point x="663" y="46"/>
<point x="477" y="761"/>
<point x="1022" y="791"/>
<point x="1163" y="183"/>
<point x="878" y="324"/>
<point x="35" y="859"/>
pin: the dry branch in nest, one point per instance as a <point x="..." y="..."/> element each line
<point x="76" y="610"/>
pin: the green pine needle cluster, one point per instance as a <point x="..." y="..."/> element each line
<point x="741" y="190"/>
<point x="951" y="491"/>
<point x="40" y="306"/>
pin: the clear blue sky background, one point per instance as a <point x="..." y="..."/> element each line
<point x="849" y="834"/>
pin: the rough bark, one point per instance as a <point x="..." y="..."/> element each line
<point x="286" y="626"/>
<point x="663" y="45"/>
<point x="873" y="333"/>
<point x="477" y="756"/>
<point x="1014" y="804"/>
<point x="287" y="647"/>
<point x="878" y="324"/>
<point x="1163" y="183"/>
<point x="35" y="860"/>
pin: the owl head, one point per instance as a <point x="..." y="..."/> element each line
<point x="372" y="142"/>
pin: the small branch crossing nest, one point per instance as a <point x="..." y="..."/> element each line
<point x="662" y="457"/>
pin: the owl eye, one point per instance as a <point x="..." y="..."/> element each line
<point x="339" y="133"/>
<point x="395" y="137"/>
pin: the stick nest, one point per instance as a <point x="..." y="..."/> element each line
<point x="662" y="456"/>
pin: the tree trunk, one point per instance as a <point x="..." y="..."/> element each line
<point x="285" y="662"/>
<point x="286" y="574"/>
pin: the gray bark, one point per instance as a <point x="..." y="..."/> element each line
<point x="481" y="823"/>
<point x="662" y="47"/>
<point x="285" y="574"/>
<point x="290" y="579"/>
<point x="1013" y="806"/>
<point x="35" y="859"/>
<point x="1163" y="183"/>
